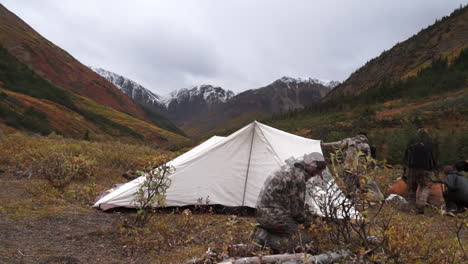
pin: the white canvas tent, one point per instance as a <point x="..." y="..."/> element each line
<point x="228" y="171"/>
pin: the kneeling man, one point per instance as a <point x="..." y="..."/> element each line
<point x="281" y="205"/>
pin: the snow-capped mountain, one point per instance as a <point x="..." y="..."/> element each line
<point x="184" y="104"/>
<point x="134" y="90"/>
<point x="290" y="80"/>
<point x="282" y="95"/>
<point x="208" y="93"/>
<point x="151" y="102"/>
<point x="179" y="106"/>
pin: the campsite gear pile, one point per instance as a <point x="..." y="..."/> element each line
<point x="435" y="196"/>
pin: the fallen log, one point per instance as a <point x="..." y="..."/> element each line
<point x="328" y="257"/>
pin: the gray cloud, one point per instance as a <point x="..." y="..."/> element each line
<point x="239" y="45"/>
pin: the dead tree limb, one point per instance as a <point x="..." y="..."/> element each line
<point x="328" y="257"/>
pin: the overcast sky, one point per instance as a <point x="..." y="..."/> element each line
<point x="238" y="45"/>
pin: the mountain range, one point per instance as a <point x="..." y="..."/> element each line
<point x="200" y="109"/>
<point x="283" y="95"/>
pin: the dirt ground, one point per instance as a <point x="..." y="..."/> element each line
<point x="68" y="238"/>
<point x="73" y="235"/>
<point x="39" y="228"/>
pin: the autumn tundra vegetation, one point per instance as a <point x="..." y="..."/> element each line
<point x="62" y="176"/>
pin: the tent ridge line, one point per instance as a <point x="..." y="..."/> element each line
<point x="248" y="164"/>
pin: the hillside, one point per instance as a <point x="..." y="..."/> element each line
<point x="445" y="38"/>
<point x="28" y="102"/>
<point x="284" y="94"/>
<point x="60" y="68"/>
<point x="436" y="97"/>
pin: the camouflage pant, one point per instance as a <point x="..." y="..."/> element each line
<point x="418" y="186"/>
<point x="282" y="234"/>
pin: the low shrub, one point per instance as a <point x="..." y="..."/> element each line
<point x="60" y="169"/>
<point x="152" y="193"/>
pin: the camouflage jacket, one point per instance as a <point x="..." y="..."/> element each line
<point x="351" y="146"/>
<point x="283" y="197"/>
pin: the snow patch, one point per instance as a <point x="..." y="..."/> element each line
<point x="289" y="80"/>
<point x="129" y="87"/>
<point x="209" y="93"/>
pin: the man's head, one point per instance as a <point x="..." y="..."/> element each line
<point x="314" y="164"/>
<point x="362" y="133"/>
<point x="461" y="165"/>
<point x="422" y="132"/>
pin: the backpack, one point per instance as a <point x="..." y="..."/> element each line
<point x="419" y="156"/>
<point x="456" y="195"/>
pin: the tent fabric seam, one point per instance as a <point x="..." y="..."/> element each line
<point x="248" y="164"/>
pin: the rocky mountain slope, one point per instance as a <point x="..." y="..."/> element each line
<point x="283" y="95"/>
<point x="446" y="38"/>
